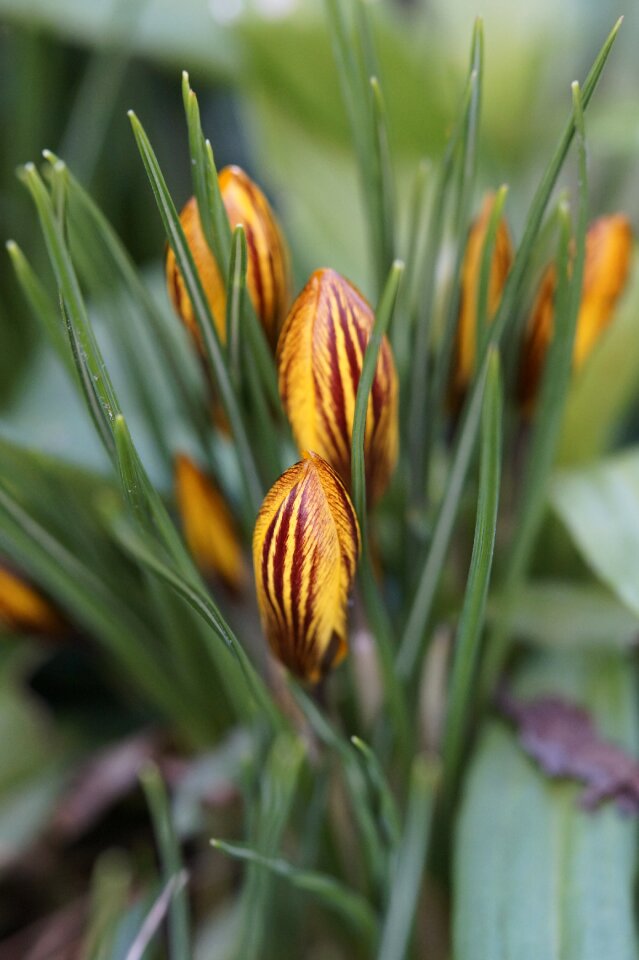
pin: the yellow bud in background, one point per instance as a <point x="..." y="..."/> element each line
<point x="208" y="525"/>
<point x="502" y="258"/>
<point x="606" y="267"/>
<point x="267" y="265"/>
<point x="320" y="356"/>
<point x="23" y="609"/>
<point x="305" y="550"/>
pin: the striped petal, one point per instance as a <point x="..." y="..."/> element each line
<point x="320" y="357"/>
<point x="502" y="257"/>
<point x="305" y="550"/>
<point x="23" y="609"/>
<point x="268" y="270"/>
<point x="208" y="525"/>
<point x="606" y="268"/>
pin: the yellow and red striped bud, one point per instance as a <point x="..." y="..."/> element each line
<point x="305" y="550"/>
<point x="23" y="609"/>
<point x="606" y="268"/>
<point x="267" y="265"/>
<point x="320" y="357"/>
<point x="502" y="258"/>
<point x="208" y="525"/>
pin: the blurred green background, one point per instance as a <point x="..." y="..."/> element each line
<point x="69" y="69"/>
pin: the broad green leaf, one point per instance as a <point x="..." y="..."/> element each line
<point x="562" y="615"/>
<point x="534" y="875"/>
<point x="599" y="505"/>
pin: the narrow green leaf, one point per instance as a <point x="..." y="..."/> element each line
<point x="471" y="622"/>
<point x="214" y="353"/>
<point x="351" y="906"/>
<point x="235" y="294"/>
<point x="278" y="784"/>
<point x="170" y="860"/>
<point x="388" y="812"/>
<point x="549" y="418"/>
<point x="414" y="639"/>
<point x="151" y="924"/>
<point x="406" y="882"/>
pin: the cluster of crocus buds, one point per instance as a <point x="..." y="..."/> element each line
<point x="267" y="263"/>
<point x="501" y="262"/>
<point x="208" y="525"/>
<point x="23" y="609"/>
<point x="606" y="267"/>
<point x="320" y="356"/>
<point x="305" y="550"/>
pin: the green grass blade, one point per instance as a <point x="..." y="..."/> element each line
<point x="144" y="551"/>
<point x="170" y="861"/>
<point x="388" y="812"/>
<point x="552" y="399"/>
<point x="153" y="919"/>
<point x="235" y="295"/>
<point x="471" y="622"/>
<point x="278" y="785"/>
<point x="42" y="307"/>
<point x="351" y="906"/>
<point x="414" y="639"/>
<point x="406" y="882"/>
<point x="485" y="267"/>
<point x="376" y="613"/>
<point x="214" y="353"/>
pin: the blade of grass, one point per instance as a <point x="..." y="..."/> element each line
<point x="171" y="891"/>
<point x="235" y="294"/>
<point x="552" y="399"/>
<point x="170" y="860"/>
<point x="406" y="883"/>
<point x="351" y="906"/>
<point x="376" y="613"/>
<point x="414" y="636"/>
<point x="278" y="785"/>
<point x="485" y="267"/>
<point x="472" y="617"/>
<point x="416" y="412"/>
<point x="388" y="812"/>
<point x="214" y="354"/>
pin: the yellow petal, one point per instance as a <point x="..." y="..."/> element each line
<point x="267" y="265"/>
<point x="606" y="267"/>
<point x="23" y="609"/>
<point x="305" y="550"/>
<point x="466" y="338"/>
<point x="208" y="525"/>
<point x="320" y="357"/>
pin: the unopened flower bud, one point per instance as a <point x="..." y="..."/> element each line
<point x="208" y="525"/>
<point x="606" y="267"/>
<point x="305" y="550"/>
<point x="320" y="359"/>
<point x="23" y="609"/>
<point x="502" y="257"/>
<point x="267" y="265"/>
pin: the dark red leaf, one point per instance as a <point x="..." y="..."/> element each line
<point x="561" y="737"/>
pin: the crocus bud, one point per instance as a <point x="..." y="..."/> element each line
<point x="267" y="266"/>
<point x="23" y="609"/>
<point x="320" y="357"/>
<point x="305" y="550"/>
<point x="502" y="257"/>
<point x="607" y="262"/>
<point x="208" y="525"/>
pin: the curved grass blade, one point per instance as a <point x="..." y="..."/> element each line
<point x="376" y="613"/>
<point x="407" y="875"/>
<point x="351" y="906"/>
<point x="170" y="860"/>
<point x="173" y="889"/>
<point x="414" y="637"/>
<point x="235" y="295"/>
<point x="214" y="354"/>
<point x="388" y="812"/>
<point x="552" y="399"/>
<point x="471" y="622"/>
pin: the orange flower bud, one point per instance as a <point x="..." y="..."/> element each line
<point x="502" y="258"/>
<point x="267" y="268"/>
<point x="23" y="609"/>
<point x="320" y="357"/>
<point x="606" y="267"/>
<point x="305" y="550"/>
<point x="209" y="529"/>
